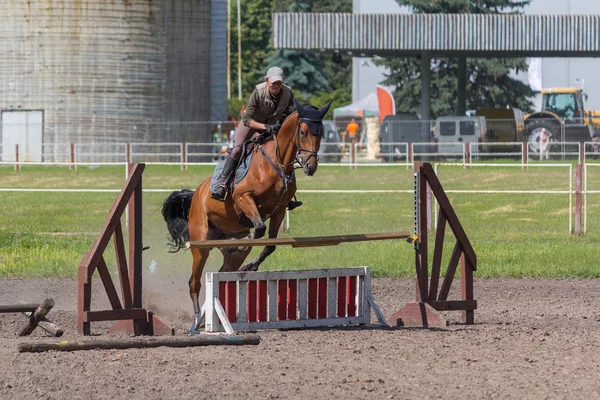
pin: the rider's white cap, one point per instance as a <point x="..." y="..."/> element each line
<point x="275" y="74"/>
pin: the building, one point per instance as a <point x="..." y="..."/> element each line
<point x="107" y="71"/>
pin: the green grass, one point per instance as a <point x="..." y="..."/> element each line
<point x="514" y="235"/>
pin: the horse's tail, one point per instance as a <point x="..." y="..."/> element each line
<point x="175" y="211"/>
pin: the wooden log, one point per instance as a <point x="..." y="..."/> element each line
<point x="139" y="343"/>
<point x="37" y="316"/>
<point x="48" y="326"/>
<point x="297" y="242"/>
<point x="17" y="308"/>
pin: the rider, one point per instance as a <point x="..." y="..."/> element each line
<point x="269" y="104"/>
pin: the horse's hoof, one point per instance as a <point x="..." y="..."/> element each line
<point x="250" y="267"/>
<point x="260" y="232"/>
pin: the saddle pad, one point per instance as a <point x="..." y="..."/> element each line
<point x="240" y="173"/>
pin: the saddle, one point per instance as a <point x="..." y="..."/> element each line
<point x="243" y="164"/>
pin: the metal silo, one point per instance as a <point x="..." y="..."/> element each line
<point x="111" y="70"/>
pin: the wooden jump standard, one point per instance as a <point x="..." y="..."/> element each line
<point x="131" y="317"/>
<point x="429" y="300"/>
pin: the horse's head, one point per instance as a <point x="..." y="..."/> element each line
<point x="309" y="134"/>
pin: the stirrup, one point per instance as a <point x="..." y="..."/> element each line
<point x="218" y="196"/>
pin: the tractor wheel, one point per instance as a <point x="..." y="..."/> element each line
<point x="534" y="131"/>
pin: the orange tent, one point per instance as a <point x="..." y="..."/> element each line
<point x="387" y="106"/>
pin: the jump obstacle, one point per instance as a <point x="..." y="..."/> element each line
<point x="289" y="299"/>
<point x="36" y="314"/>
<point x="431" y="298"/>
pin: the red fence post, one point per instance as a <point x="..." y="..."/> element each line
<point x="581" y="153"/>
<point x="72" y="147"/>
<point x="578" y="202"/>
<point x="524" y="154"/>
<point x="128" y="154"/>
<point x="17" y="165"/>
<point x="183" y="157"/>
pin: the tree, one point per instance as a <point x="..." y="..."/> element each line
<point x="312" y="72"/>
<point x="303" y="70"/>
<point x="489" y="83"/>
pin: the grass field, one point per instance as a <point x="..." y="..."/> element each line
<point x="46" y="233"/>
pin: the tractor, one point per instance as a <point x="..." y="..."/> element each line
<point x="563" y="116"/>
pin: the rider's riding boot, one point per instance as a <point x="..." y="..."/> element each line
<point x="293" y="204"/>
<point x="221" y="190"/>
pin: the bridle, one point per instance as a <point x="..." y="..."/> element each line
<point x="300" y="156"/>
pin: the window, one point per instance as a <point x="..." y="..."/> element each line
<point x="467" y="128"/>
<point x="562" y="104"/>
<point x="447" y="128"/>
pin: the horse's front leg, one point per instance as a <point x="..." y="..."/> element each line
<point x="274" y="225"/>
<point x="246" y="203"/>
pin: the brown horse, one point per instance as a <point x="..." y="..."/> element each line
<point x="263" y="194"/>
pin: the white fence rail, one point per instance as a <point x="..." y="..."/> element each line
<point x="331" y="153"/>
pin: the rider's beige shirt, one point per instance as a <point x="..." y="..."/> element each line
<point x="263" y="109"/>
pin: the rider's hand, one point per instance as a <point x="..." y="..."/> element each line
<point x="272" y="128"/>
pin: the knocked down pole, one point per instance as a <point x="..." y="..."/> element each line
<point x="220" y="340"/>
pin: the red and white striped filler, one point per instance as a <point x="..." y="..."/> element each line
<point x="289" y="299"/>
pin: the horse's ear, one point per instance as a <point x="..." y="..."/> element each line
<point x="299" y="108"/>
<point x="324" y="110"/>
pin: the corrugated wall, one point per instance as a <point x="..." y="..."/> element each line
<point x="218" y="60"/>
<point x="556" y="35"/>
<point x="107" y="70"/>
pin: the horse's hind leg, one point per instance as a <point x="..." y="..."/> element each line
<point x="233" y="258"/>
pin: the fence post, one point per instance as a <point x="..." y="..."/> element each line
<point x="409" y="157"/>
<point x="353" y="153"/>
<point x="578" y="202"/>
<point x="17" y="165"/>
<point x="581" y="153"/>
<point x="128" y="153"/>
<point x="466" y="156"/>
<point x="183" y="156"/>
<point x="524" y="154"/>
<point x="72" y="147"/>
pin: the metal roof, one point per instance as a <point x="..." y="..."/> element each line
<point x="481" y="34"/>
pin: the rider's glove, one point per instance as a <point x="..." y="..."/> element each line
<point x="272" y="129"/>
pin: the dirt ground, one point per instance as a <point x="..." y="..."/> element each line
<point x="533" y="339"/>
